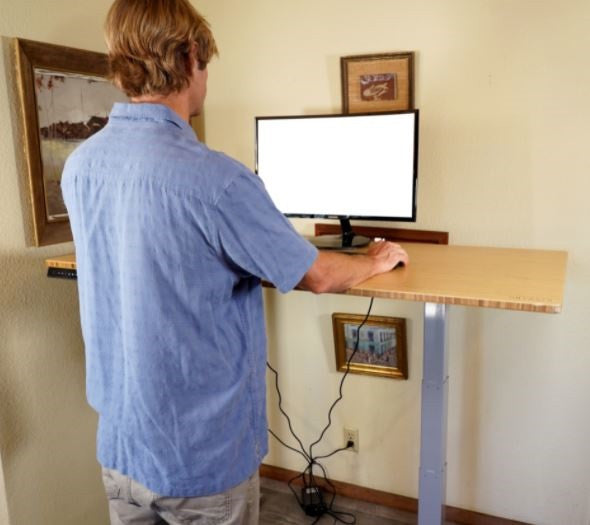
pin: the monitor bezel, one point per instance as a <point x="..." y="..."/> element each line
<point x="413" y="218"/>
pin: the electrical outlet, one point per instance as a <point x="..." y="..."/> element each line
<point x="351" y="435"/>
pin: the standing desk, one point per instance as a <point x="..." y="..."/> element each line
<point x="441" y="276"/>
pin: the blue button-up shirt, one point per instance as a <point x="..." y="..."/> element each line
<point x="172" y="240"/>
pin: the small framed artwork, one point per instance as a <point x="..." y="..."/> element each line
<point x="374" y="83"/>
<point x="381" y="344"/>
<point x="65" y="98"/>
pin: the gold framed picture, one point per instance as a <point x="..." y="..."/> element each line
<point x="376" y="83"/>
<point x="65" y="98"/>
<point x="381" y="341"/>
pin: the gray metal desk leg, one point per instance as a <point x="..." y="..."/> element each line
<point x="433" y="434"/>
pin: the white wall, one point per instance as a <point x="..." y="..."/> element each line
<point x="502" y="88"/>
<point x="47" y="431"/>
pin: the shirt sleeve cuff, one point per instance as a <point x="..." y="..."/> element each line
<point x="307" y="260"/>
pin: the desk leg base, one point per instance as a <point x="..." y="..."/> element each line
<point x="433" y="432"/>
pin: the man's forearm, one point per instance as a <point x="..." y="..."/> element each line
<point x="336" y="272"/>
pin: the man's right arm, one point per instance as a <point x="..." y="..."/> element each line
<point x="337" y="272"/>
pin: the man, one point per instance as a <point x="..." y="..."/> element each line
<point x="172" y="240"/>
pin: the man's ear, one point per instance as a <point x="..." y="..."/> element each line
<point x="191" y="58"/>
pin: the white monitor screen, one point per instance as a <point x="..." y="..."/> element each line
<point x="356" y="166"/>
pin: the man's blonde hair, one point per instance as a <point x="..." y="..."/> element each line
<point x="149" y="42"/>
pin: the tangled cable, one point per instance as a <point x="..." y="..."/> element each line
<point x="316" y="505"/>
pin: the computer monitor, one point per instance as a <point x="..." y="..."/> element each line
<point x="361" y="166"/>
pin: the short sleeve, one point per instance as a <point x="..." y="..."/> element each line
<point x="257" y="237"/>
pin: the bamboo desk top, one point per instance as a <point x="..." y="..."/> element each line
<point x="513" y="279"/>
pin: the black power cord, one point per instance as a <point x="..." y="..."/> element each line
<point x="312" y="499"/>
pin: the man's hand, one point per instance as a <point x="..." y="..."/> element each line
<point x="387" y="255"/>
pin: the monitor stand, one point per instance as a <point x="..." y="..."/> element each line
<point x="347" y="239"/>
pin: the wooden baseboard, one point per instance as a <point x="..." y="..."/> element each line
<point x="386" y="499"/>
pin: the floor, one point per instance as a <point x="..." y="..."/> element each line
<point x="279" y="507"/>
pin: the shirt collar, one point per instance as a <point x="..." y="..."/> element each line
<point x="148" y="111"/>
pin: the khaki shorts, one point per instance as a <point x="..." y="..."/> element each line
<point x="131" y="502"/>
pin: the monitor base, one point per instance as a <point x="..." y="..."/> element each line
<point x="347" y="239"/>
<point x="338" y="242"/>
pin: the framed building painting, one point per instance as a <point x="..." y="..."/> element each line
<point x="379" y="348"/>
<point x="65" y="98"/>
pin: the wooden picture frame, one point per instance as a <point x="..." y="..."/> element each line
<point x="382" y="349"/>
<point x="64" y="98"/>
<point x="377" y="83"/>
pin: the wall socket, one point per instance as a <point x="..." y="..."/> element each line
<point x="351" y="435"/>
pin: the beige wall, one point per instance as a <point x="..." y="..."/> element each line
<point x="46" y="428"/>
<point x="502" y="86"/>
<point x="503" y="91"/>
<point x="3" y="504"/>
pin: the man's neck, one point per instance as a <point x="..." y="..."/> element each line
<point x="177" y="102"/>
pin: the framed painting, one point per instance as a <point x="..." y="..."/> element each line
<point x="65" y="98"/>
<point x="379" y="348"/>
<point x="377" y="83"/>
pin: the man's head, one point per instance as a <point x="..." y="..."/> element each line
<point x="154" y="45"/>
